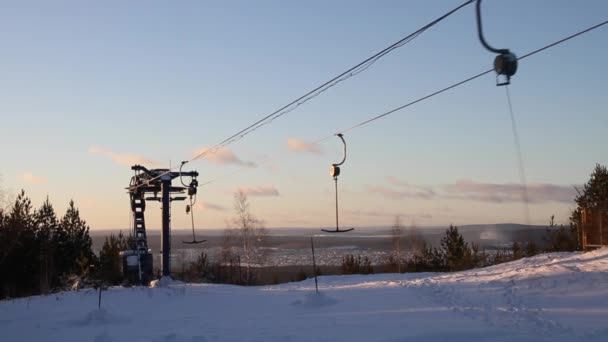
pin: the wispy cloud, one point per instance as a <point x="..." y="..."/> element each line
<point x="509" y="192"/>
<point x="261" y="191"/>
<point x="369" y="213"/>
<point x="32" y="179"/>
<point x="211" y="206"/>
<point x="297" y="145"/>
<point x="373" y="213"/>
<point x="476" y="191"/>
<point x="400" y="189"/>
<point x="123" y="158"/>
<point x="223" y="156"/>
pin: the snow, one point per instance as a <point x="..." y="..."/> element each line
<point x="165" y="282"/>
<point x="550" y="297"/>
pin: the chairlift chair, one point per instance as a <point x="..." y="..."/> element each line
<point x="334" y="171"/>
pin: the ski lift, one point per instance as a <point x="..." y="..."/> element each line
<point x="334" y="171"/>
<point x="192" y="187"/>
<point x="505" y="63"/>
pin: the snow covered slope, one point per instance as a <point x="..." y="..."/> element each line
<point x="551" y="297"/>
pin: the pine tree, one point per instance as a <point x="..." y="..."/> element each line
<point x="19" y="252"/>
<point x="531" y="249"/>
<point x="516" y="251"/>
<point x="75" y="241"/>
<point x="455" y="250"/>
<point x="110" y="262"/>
<point x="593" y="194"/>
<point x="560" y="239"/>
<point x="46" y="226"/>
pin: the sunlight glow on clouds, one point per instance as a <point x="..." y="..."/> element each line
<point x="31" y="179"/>
<point x="223" y="156"/>
<point x="476" y="191"/>
<point x="297" y="145"/>
<point x="210" y="206"/>
<point x="123" y="158"/>
<point x="400" y="189"/>
<point x="510" y="192"/>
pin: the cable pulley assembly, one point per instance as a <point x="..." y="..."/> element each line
<point x="505" y="64"/>
<point x="192" y="189"/>
<point x="334" y="171"/>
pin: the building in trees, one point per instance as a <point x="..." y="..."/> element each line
<point x="591" y="215"/>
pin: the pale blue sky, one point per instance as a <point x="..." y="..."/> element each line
<point x="162" y="79"/>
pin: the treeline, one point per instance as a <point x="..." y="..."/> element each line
<point x="413" y="254"/>
<point x="39" y="251"/>
<point x="456" y="254"/>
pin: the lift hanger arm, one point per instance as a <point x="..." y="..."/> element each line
<point x="339" y="135"/>
<point x="480" y="32"/>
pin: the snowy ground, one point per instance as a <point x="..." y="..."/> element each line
<point x="552" y="297"/>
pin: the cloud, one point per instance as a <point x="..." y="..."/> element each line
<point x="211" y="206"/>
<point x="223" y="156"/>
<point x="412" y="191"/>
<point x="395" y="181"/>
<point x="31" y="179"/>
<point x="477" y="191"/>
<point x="297" y="145"/>
<point x="372" y="213"/>
<point x="260" y="191"/>
<point x="509" y="192"/>
<point x="369" y="213"/>
<point x="123" y="158"/>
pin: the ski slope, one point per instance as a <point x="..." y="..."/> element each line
<point x="550" y="297"/>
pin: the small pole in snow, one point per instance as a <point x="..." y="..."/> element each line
<point x="314" y="264"/>
<point x="99" y="300"/>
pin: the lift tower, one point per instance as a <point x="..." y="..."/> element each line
<point x="137" y="263"/>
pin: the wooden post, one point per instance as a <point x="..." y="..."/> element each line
<point x="601" y="233"/>
<point x="314" y="264"/>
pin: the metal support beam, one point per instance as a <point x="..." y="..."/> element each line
<point x="166" y="233"/>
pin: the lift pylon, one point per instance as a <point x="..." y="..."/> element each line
<point x="137" y="262"/>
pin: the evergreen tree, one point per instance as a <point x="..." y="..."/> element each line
<point x="593" y="194"/>
<point x="46" y="226"/>
<point x="516" y="251"/>
<point x="19" y="252"/>
<point x="110" y="261"/>
<point x="455" y="250"/>
<point x="358" y="265"/>
<point x="561" y="239"/>
<point x="430" y="260"/>
<point x="531" y="249"/>
<point x="36" y="249"/>
<point x="73" y="242"/>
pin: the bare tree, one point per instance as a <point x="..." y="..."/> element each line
<point x="251" y="234"/>
<point x="415" y="243"/>
<point x="397" y="239"/>
<point x="228" y="267"/>
<point x="5" y="200"/>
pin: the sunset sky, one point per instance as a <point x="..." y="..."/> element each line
<point x="88" y="89"/>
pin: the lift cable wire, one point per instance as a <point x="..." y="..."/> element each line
<point x="520" y="159"/>
<point x="355" y="70"/>
<point x="317" y="142"/>
<point x="291" y="106"/>
<point x="471" y="78"/>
